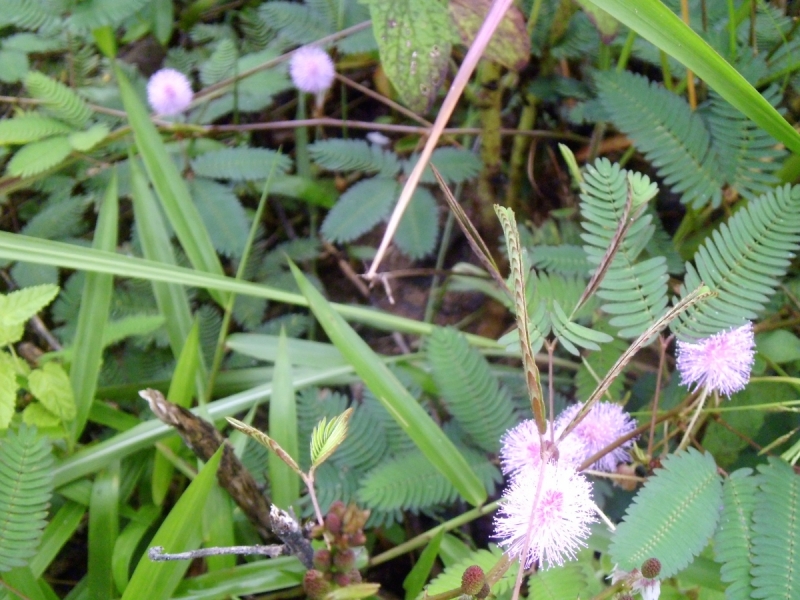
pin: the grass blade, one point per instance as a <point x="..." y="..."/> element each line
<point x="93" y="315"/>
<point x="169" y="185"/>
<point x="103" y="531"/>
<point x="425" y="433"/>
<point x="284" y="482"/>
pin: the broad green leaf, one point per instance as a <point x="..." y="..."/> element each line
<point x="50" y="385"/>
<point x="170" y="186"/>
<point x="779" y="346"/>
<point x="36" y="415"/>
<point x="510" y="46"/>
<point x="88" y="343"/>
<point x="8" y="389"/>
<point x="416" y="235"/>
<point x="178" y="533"/>
<point x="359" y="209"/>
<point x="414" y="38"/>
<point x="19" y="306"/>
<point x="284" y="482"/>
<point x="403" y="407"/>
<point x="656" y="23"/>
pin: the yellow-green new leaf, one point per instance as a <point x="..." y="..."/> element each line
<point x="50" y="385"/>
<point x="8" y="389"/>
<point x="37" y="157"/>
<point x="403" y="407"/>
<point x="83" y="141"/>
<point x="19" y="306"/>
<point x="328" y="436"/>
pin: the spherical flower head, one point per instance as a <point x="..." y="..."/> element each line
<point x="520" y="448"/>
<point x="721" y="362"/>
<point x="312" y="70"/>
<point x="605" y="423"/>
<point x="558" y="524"/>
<point x="169" y="92"/>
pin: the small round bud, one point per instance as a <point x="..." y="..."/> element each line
<point x="651" y="568"/>
<point x="315" y="584"/>
<point x="333" y="523"/>
<point x="342" y="579"/>
<point x="472" y="580"/>
<point x="344" y="560"/>
<point x="322" y="559"/>
<point x="355" y="576"/>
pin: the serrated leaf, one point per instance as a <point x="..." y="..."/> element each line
<point x="39" y="156"/>
<point x="510" y="46"/>
<point x="8" y="389"/>
<point x="359" y="209"/>
<point x="19" y="306"/>
<point x="328" y="436"/>
<point x="419" y="228"/>
<point x="83" y="141"/>
<point x="222" y="214"/>
<point x="36" y="415"/>
<point x="414" y="38"/>
<point x="50" y="385"/>
<point x="30" y="127"/>
<point x="673" y="515"/>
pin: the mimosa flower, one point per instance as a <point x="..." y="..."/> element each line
<point x="605" y="423"/>
<point x="520" y="448"/>
<point x="312" y="70"/>
<point x="169" y="92"/>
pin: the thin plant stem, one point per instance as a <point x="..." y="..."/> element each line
<point x="662" y="353"/>
<point x="219" y="351"/>
<point x="700" y="403"/>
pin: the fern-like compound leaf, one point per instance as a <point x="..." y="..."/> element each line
<point x="58" y="99"/>
<point x="416" y="235"/>
<point x="635" y="290"/>
<point x="743" y="261"/>
<point x="221" y="63"/>
<point x="733" y="544"/>
<point x="564" y="260"/>
<point x="748" y="156"/>
<point x="37" y="157"/>
<point x="411" y="482"/>
<point x="455" y="165"/>
<point x="297" y="23"/>
<point x="240" y="164"/>
<point x="30" y="127"/>
<point x="222" y="214"/>
<point x="776" y="533"/>
<point x="673" y="515"/>
<point x="328" y="436"/>
<point x="450" y="578"/>
<point x="354" y="156"/>
<point x="667" y="131"/>
<point x="568" y="581"/>
<point x="26" y="486"/>
<point x="470" y="390"/>
<point x="359" y="209"/>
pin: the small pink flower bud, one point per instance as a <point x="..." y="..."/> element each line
<point x="315" y="584"/>
<point x="344" y="560"/>
<point x="473" y="580"/>
<point x="169" y="92"/>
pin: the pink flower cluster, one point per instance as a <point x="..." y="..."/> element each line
<point x="169" y="92"/>
<point x="721" y="362"/>
<point x="548" y="504"/>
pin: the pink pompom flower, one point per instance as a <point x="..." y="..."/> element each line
<point x="312" y="70"/>
<point x="169" y="92"/>
<point x="605" y="423"/>
<point x="721" y="362"/>
<point x="520" y="448"/>
<point x="558" y="523"/>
